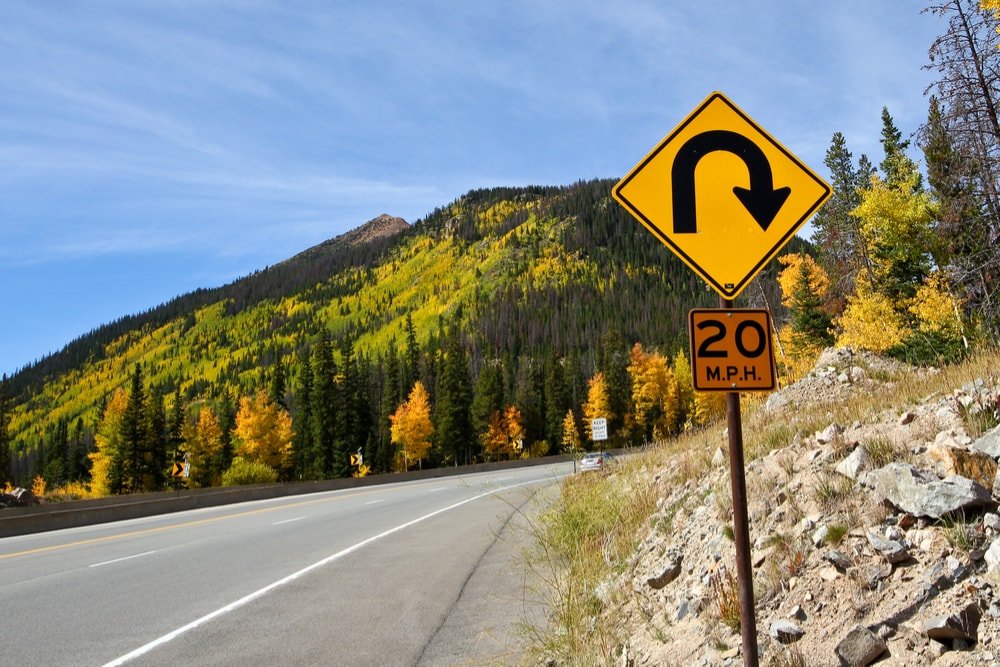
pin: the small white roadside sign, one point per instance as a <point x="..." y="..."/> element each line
<point x="599" y="428"/>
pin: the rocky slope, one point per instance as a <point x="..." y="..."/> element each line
<point x="872" y="541"/>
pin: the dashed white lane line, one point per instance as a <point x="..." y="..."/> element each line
<point x="278" y="523"/>
<point x="118" y="560"/>
<point x="372" y="502"/>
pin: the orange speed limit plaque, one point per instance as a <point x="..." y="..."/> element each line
<point x="731" y="350"/>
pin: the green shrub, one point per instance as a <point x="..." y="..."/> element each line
<point x="248" y="472"/>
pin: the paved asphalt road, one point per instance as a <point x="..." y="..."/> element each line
<point x="398" y="574"/>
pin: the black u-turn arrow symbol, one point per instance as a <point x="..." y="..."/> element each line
<point x="761" y="200"/>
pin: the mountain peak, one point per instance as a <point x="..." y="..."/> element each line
<point x="379" y="227"/>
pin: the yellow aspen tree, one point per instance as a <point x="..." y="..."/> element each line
<point x="870" y="321"/>
<point x="203" y="444"/>
<point x="263" y="431"/>
<point x="647" y="374"/>
<point x="513" y="424"/>
<point x="571" y="434"/>
<point x="655" y="393"/>
<point x="672" y="420"/>
<point x="896" y="223"/>
<point x="936" y="310"/>
<point x="685" y="388"/>
<point x="495" y="438"/>
<point x="708" y="406"/>
<point x="106" y="460"/>
<point x="598" y="404"/>
<point x="412" y="427"/>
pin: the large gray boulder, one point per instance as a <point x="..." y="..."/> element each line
<point x="857" y="463"/>
<point x="989" y="443"/>
<point x="963" y="624"/>
<point x="861" y="647"/>
<point x="923" y="494"/>
<point x="669" y="570"/>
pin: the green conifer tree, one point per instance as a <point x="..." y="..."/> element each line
<point x="302" y="421"/>
<point x="556" y="401"/>
<point x="452" y="407"/>
<point x="134" y="434"/>
<point x="324" y="407"/>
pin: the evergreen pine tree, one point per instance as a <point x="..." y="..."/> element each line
<point x="134" y="434"/>
<point x="411" y="359"/>
<point x="391" y="398"/>
<point x="487" y="397"/>
<point x="154" y="455"/>
<point x="277" y="389"/>
<point x="302" y="441"/>
<point x="556" y="401"/>
<point x="614" y="367"/>
<point x="809" y="320"/>
<point x="324" y="418"/>
<point x="838" y="240"/>
<point x="963" y="226"/>
<point x="225" y="410"/>
<point x="76" y="460"/>
<point x="347" y="439"/>
<point x="894" y="173"/>
<point x="453" y="403"/>
<point x="529" y="397"/>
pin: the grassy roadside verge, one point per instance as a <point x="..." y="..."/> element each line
<point x="593" y="530"/>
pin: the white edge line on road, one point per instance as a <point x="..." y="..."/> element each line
<point x="118" y="560"/>
<point x="278" y="523"/>
<point x="372" y="502"/>
<point x="232" y="606"/>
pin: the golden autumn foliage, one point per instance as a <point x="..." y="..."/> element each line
<point x="895" y="220"/>
<point x="412" y="427"/>
<point x="505" y="434"/>
<point x="819" y="281"/>
<point x="571" y="433"/>
<point x="708" y="406"/>
<point x="108" y="442"/>
<point x="655" y="392"/>
<point x="685" y="386"/>
<point x="598" y="404"/>
<point x="203" y="443"/>
<point x="936" y="310"/>
<point x="38" y="486"/>
<point x="263" y="432"/>
<point x="870" y="321"/>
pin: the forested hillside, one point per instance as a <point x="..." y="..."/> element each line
<point x="501" y="305"/>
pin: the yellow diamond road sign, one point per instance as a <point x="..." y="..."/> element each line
<point x="722" y="193"/>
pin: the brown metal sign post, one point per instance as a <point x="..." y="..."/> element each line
<point x="741" y="522"/>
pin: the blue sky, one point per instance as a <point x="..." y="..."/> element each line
<point x="148" y="148"/>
